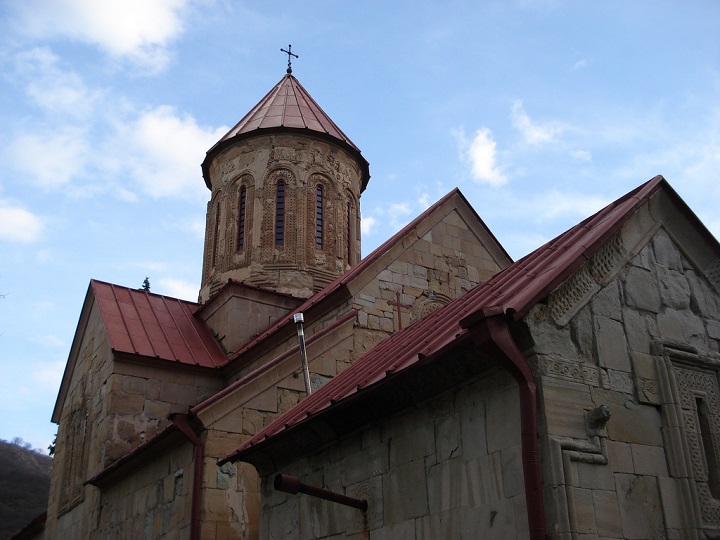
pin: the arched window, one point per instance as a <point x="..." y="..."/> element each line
<point x="241" y="219"/>
<point x="349" y="236"/>
<point x="216" y="233"/>
<point x="280" y="213"/>
<point x="319" y="217"/>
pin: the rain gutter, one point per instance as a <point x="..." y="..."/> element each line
<point x="490" y="331"/>
<point x="180" y="420"/>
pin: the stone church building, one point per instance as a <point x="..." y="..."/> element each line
<point x="572" y="394"/>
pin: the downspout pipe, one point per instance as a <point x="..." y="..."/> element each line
<point x="491" y="332"/>
<point x="180" y="420"/>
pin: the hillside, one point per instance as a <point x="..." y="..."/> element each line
<point x="24" y="486"/>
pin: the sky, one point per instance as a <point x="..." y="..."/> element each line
<point x="540" y="111"/>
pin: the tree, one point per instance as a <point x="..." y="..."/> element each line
<point x="51" y="447"/>
<point x="146" y="285"/>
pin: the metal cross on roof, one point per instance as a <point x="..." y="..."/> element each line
<point x="290" y="55"/>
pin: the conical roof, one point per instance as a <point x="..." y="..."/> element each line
<point x="288" y="107"/>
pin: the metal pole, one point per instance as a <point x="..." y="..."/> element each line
<point x="293" y="485"/>
<point x="298" y="318"/>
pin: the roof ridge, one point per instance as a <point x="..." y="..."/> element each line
<point x="346" y="277"/>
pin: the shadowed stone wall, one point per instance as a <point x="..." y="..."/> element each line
<point x="646" y="346"/>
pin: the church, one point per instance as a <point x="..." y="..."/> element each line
<point x="434" y="389"/>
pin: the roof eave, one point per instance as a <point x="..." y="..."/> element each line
<point x="224" y="144"/>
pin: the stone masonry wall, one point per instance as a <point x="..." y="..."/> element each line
<point x="111" y="408"/>
<point x="139" y="401"/>
<point x="449" y="468"/>
<point x="645" y="343"/>
<point x="76" y="457"/>
<point x="447" y="261"/>
<point x="153" y="502"/>
<point x="231" y="496"/>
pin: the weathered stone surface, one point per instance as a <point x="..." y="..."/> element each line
<point x="513" y="479"/>
<point x="547" y="337"/>
<point x="647" y="384"/>
<point x="641" y="290"/>
<point x="607" y="514"/>
<point x="649" y="460"/>
<point x="674" y="288"/>
<point x="472" y="430"/>
<point x="584" y="511"/>
<point x="496" y="521"/>
<point x="640" y="509"/>
<point x="606" y="302"/>
<point x="611" y="344"/>
<point x="581" y="327"/>
<point x="405" y="492"/>
<point x="630" y="422"/>
<point x="412" y="445"/>
<point x="621" y="381"/>
<point x="502" y="420"/>
<point x="484" y="477"/>
<point x="564" y="405"/>
<point x="682" y="327"/>
<point x="447" y="437"/>
<point x="666" y="254"/>
<point x="636" y="331"/>
<point x="594" y="476"/>
<point x="446" y="486"/>
<point x="703" y="300"/>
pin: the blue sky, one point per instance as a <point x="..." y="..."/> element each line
<point x="540" y="111"/>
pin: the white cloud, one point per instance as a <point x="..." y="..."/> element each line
<point x="50" y="160"/>
<point x="556" y="204"/>
<point x="481" y="152"/>
<point x="533" y="133"/>
<point x="163" y="152"/>
<point x="580" y="64"/>
<point x="50" y="87"/>
<point x="399" y="209"/>
<point x="137" y="30"/>
<point x="18" y="224"/>
<point x="424" y="200"/>
<point x="177" y="288"/>
<point x="368" y="224"/>
<point x="581" y="155"/>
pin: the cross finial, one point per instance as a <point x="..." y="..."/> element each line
<point x="290" y="55"/>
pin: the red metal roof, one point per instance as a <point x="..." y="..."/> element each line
<point x="358" y="269"/>
<point x="288" y="107"/>
<point x="514" y="290"/>
<point x="139" y="322"/>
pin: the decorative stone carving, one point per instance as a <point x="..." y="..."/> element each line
<point x="693" y="387"/>
<point x="608" y="259"/>
<point x="574" y="371"/>
<point x="567" y="453"/>
<point x="429" y="304"/>
<point x="689" y="382"/>
<point x="569" y="297"/>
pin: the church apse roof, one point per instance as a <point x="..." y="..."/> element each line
<point x="287" y="107"/>
<point x="138" y="322"/>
